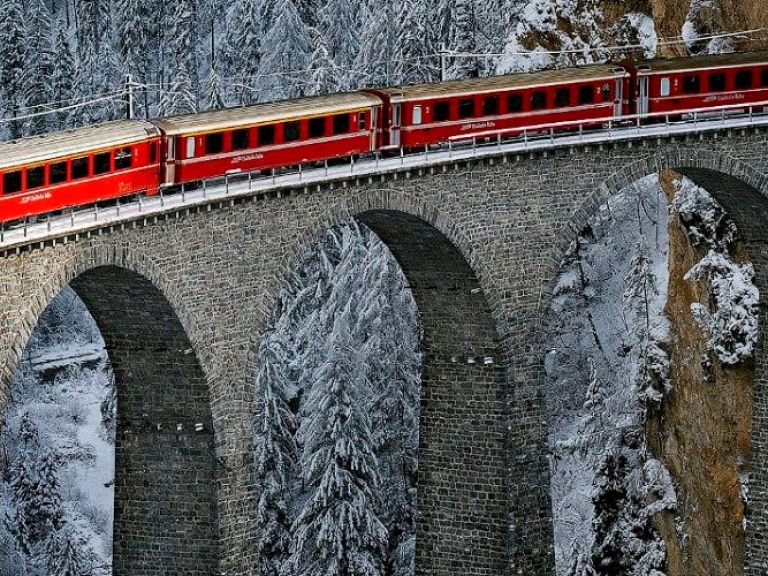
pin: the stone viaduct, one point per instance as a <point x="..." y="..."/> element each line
<point x="183" y="299"/>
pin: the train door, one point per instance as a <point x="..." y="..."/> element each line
<point x="394" y="132"/>
<point x="618" y="100"/>
<point x="170" y="161"/>
<point x="642" y="95"/>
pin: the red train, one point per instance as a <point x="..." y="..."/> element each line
<point x="44" y="174"/>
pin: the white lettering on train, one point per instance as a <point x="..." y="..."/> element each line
<point x="36" y="197"/>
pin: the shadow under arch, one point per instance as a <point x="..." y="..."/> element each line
<point x="463" y="501"/>
<point x="743" y="192"/>
<point x="165" y="491"/>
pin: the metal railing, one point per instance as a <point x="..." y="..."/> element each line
<point x="486" y="144"/>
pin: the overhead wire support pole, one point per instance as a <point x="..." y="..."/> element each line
<point x="129" y="108"/>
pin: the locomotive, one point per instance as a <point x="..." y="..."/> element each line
<point x="46" y="174"/>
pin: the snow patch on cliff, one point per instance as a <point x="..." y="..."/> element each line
<point x="730" y="316"/>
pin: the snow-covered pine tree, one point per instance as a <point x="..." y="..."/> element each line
<point x="12" y="61"/>
<point x="374" y="61"/>
<point x="338" y="532"/>
<point x="67" y="553"/>
<point x="18" y="518"/>
<point x="64" y="72"/>
<point x="245" y="27"/>
<point x="46" y="501"/>
<point x="326" y="77"/>
<point x="285" y="50"/>
<point x="415" y="54"/>
<point x="386" y="323"/>
<point x="338" y="27"/>
<point x="214" y="99"/>
<point x="180" y="96"/>
<point x="463" y="40"/>
<point x="275" y="458"/>
<point x="38" y="88"/>
<point x="131" y="36"/>
<point x="97" y="64"/>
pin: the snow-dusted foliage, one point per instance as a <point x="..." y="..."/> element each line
<point x="199" y="54"/>
<point x="606" y="367"/>
<point x="566" y="32"/>
<point x="275" y="458"/>
<point x="58" y="444"/>
<point x="342" y="362"/>
<point x="730" y="316"/>
<point x="732" y="324"/>
<point x="338" y="532"/>
<point x="703" y="20"/>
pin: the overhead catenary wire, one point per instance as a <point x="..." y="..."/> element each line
<point x="59" y="110"/>
<point x="244" y="82"/>
<point x="674" y="40"/>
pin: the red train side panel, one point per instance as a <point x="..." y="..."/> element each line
<point x="193" y="161"/>
<point x="677" y="90"/>
<point x="81" y="177"/>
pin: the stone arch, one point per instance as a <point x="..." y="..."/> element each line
<point x="165" y="487"/>
<point x="464" y="452"/>
<point x="743" y="191"/>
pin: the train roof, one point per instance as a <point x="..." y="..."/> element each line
<point x="278" y="111"/>
<point x="507" y="82"/>
<point x="47" y="147"/>
<point x="704" y="62"/>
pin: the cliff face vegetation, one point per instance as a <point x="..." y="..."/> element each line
<point x="593" y="25"/>
<point x="709" y="17"/>
<point x="702" y="430"/>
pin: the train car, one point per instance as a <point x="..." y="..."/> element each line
<point x="266" y="136"/>
<point x="678" y="85"/>
<point x="41" y="174"/>
<point x="422" y="114"/>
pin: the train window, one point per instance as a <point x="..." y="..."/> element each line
<point x="191" y="147"/>
<point x="102" y="163"/>
<point x="466" y="108"/>
<point x="266" y="135"/>
<point x="58" y="172"/>
<point x="692" y="84"/>
<point x="606" y="92"/>
<point x="515" y="103"/>
<point x="538" y="100"/>
<point x="316" y="127"/>
<point x="665" y="87"/>
<point x="79" y="168"/>
<point x="716" y="82"/>
<point x="442" y="111"/>
<point x="214" y="143"/>
<point x="153" y="152"/>
<point x="240" y="139"/>
<point x="362" y="121"/>
<point x="416" y="115"/>
<point x="291" y="131"/>
<point x="341" y="124"/>
<point x="12" y="182"/>
<point x="563" y="97"/>
<point x="123" y="158"/>
<point x="744" y="80"/>
<point x="490" y="105"/>
<point x="764" y="78"/>
<point x="586" y="95"/>
<point x="35" y="177"/>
